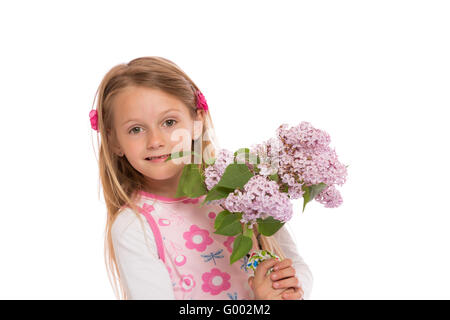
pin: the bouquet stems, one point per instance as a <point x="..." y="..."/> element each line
<point x="261" y="242"/>
<point x="272" y="246"/>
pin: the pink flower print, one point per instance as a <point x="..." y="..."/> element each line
<point x="180" y="260"/>
<point x="229" y="242"/>
<point x="215" y="281"/>
<point x="212" y="215"/>
<point x="193" y="201"/>
<point x="164" y="222"/>
<point x="187" y="282"/>
<point x="197" y="238"/>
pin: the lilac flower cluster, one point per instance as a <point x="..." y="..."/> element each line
<point x="214" y="172"/>
<point x="330" y="197"/>
<point x="306" y="159"/>
<point x="261" y="198"/>
<point x="300" y="155"/>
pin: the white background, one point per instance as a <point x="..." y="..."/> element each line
<point x="374" y="74"/>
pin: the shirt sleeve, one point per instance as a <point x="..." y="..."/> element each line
<point x="144" y="276"/>
<point x="289" y="247"/>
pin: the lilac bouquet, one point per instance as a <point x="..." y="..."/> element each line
<point x="255" y="186"/>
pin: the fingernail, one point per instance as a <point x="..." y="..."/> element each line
<point x="276" y="284"/>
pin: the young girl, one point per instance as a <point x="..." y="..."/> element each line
<point x="158" y="246"/>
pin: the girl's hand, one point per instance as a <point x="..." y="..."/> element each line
<point x="284" y="277"/>
<point x="261" y="283"/>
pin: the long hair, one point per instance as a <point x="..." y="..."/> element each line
<point x="118" y="178"/>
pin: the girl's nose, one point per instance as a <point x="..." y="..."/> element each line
<point x="155" y="140"/>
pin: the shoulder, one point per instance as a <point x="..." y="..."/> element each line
<point x="130" y="232"/>
<point x="126" y="218"/>
<point x="130" y="228"/>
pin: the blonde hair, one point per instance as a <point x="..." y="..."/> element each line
<point x="119" y="179"/>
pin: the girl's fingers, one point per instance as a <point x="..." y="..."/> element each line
<point x="286" y="283"/>
<point x="296" y="294"/>
<point x="283" y="273"/>
<point x="282" y="264"/>
<point x="263" y="267"/>
<point x="289" y="291"/>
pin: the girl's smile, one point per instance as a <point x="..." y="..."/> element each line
<point x="158" y="159"/>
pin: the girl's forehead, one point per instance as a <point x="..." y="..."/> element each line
<point x="138" y="102"/>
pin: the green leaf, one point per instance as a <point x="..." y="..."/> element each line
<point x="230" y="225"/>
<point x="210" y="161"/>
<point x="250" y="157"/>
<point x="310" y="192"/>
<point x="217" y="193"/>
<point x="274" y="177"/>
<point x="235" y="176"/>
<point x="247" y="231"/>
<point x="242" y="150"/>
<point x="191" y="182"/>
<point x="220" y="217"/>
<point x="269" y="226"/>
<point x="284" y="188"/>
<point x="240" y="159"/>
<point x="241" y="246"/>
<point x="181" y="183"/>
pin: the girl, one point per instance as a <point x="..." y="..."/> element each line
<point x="158" y="246"/>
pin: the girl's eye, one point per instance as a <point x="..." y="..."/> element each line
<point x="133" y="131"/>
<point x="171" y="121"/>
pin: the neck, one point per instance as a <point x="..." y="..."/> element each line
<point x="165" y="188"/>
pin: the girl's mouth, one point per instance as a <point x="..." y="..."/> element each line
<point x="158" y="159"/>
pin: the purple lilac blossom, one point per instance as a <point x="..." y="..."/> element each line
<point x="330" y="197"/>
<point x="214" y="172"/>
<point x="268" y="153"/>
<point x="260" y="198"/>
<point x="304" y="136"/>
<point x="300" y="155"/>
<point x="304" y="159"/>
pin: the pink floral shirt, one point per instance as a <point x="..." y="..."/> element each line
<point x="197" y="259"/>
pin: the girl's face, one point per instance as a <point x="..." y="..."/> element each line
<point x="149" y="122"/>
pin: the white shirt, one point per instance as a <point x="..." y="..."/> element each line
<point x="145" y="277"/>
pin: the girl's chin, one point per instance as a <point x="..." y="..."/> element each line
<point x="161" y="174"/>
<point x="159" y="177"/>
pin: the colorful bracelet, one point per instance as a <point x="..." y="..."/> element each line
<point x="256" y="257"/>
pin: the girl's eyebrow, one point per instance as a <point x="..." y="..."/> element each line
<point x="162" y="113"/>
<point x="137" y="120"/>
<point x="167" y="111"/>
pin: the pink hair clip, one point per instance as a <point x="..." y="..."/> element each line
<point x="201" y="101"/>
<point x="94" y="119"/>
